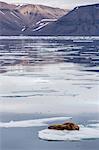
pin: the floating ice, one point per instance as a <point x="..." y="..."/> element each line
<point x="9" y="84"/>
<point x="32" y="123"/>
<point x="94" y="125"/>
<point x="84" y="133"/>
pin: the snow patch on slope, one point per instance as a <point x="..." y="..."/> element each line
<point x="41" y="26"/>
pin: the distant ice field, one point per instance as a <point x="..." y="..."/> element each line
<point x="71" y="89"/>
<point x="39" y="73"/>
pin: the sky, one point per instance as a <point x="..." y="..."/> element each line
<point x="55" y="3"/>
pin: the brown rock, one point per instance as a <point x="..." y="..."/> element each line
<point x="65" y="126"/>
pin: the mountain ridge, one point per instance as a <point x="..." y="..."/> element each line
<point x="39" y="20"/>
<point x="15" y="19"/>
<point x="82" y="20"/>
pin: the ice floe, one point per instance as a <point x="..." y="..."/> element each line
<point x="96" y="125"/>
<point x="32" y="123"/>
<point x="85" y="133"/>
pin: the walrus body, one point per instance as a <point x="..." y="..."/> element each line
<point x="65" y="126"/>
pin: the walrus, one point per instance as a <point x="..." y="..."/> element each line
<point x="71" y="126"/>
<point x="64" y="126"/>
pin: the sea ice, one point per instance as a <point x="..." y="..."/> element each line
<point x="85" y="133"/>
<point x="32" y="123"/>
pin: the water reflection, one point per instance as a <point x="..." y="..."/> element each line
<point x="32" y="51"/>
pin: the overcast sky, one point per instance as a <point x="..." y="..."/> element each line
<point x="55" y="3"/>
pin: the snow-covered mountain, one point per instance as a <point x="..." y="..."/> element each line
<point x="15" y="19"/>
<point x="82" y="20"/>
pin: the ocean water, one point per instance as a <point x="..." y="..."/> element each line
<point x="46" y="80"/>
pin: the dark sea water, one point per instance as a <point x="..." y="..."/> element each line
<point x="43" y="50"/>
<point x="42" y="77"/>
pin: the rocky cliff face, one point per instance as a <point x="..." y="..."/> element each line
<point x="4" y="5"/>
<point x="43" y="20"/>
<point x="15" y="19"/>
<point x="83" y="20"/>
